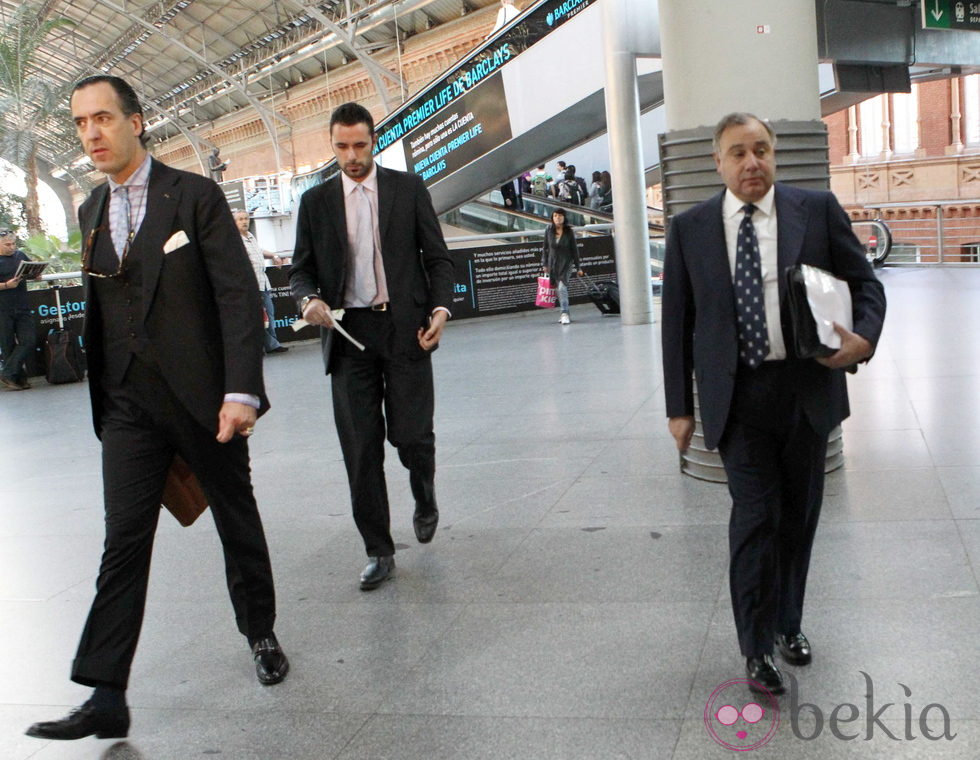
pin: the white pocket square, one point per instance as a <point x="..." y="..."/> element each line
<point x="176" y="241"/>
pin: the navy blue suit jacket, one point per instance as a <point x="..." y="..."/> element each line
<point x="698" y="319"/>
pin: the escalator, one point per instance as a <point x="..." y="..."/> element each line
<point x="505" y="106"/>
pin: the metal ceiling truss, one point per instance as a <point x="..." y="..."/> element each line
<point x="267" y="116"/>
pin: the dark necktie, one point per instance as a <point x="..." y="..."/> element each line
<point x="750" y="310"/>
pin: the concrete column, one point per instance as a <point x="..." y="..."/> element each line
<point x="626" y="164"/>
<point x="739" y="55"/>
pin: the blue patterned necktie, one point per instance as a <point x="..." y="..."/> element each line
<point x="120" y="237"/>
<point x="750" y="310"/>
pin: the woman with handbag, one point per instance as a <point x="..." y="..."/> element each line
<point x="560" y="258"/>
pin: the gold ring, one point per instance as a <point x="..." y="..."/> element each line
<point x="248" y="431"/>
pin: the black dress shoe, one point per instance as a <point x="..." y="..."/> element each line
<point x="84" y="721"/>
<point x="379" y="569"/>
<point x="425" y="521"/>
<point x="795" y="649"/>
<point x="278" y="350"/>
<point x="271" y="664"/>
<point x="762" y="671"/>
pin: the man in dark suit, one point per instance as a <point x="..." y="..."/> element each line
<point x="368" y="241"/>
<point x="174" y="342"/>
<point x="768" y="412"/>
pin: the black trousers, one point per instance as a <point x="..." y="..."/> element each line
<point x="775" y="461"/>
<point x="142" y="427"/>
<point x="364" y="383"/>
<point x="17" y="341"/>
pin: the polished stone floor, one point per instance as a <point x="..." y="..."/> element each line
<point x="574" y="603"/>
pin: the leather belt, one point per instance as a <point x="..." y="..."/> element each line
<point x="373" y="307"/>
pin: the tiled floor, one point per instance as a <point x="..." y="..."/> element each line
<point x="574" y="604"/>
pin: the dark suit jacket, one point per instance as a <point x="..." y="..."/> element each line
<point x="201" y="311"/>
<point x="698" y="316"/>
<point x="418" y="267"/>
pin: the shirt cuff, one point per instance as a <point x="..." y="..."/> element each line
<point x="243" y="398"/>
<point x="443" y="308"/>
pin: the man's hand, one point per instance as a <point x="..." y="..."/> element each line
<point x="276" y="261"/>
<point x="317" y="312"/>
<point x="429" y="339"/>
<point x="853" y="348"/>
<point x="682" y="428"/>
<point x="235" y="418"/>
<point x="12" y="283"/>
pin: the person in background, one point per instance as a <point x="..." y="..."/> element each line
<point x="595" y="190"/>
<point x="540" y="182"/>
<point x="507" y="13"/>
<point x="258" y="256"/>
<point x="605" y="197"/>
<point x="583" y="188"/>
<point x="560" y="258"/>
<point x="17" y="336"/>
<point x="511" y="193"/>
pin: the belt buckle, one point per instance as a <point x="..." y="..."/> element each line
<point x="379" y="306"/>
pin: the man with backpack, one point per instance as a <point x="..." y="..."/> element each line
<point x="540" y="182"/>
<point x="569" y="190"/>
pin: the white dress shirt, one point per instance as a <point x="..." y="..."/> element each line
<point x="764" y="221"/>
<point x="370" y="184"/>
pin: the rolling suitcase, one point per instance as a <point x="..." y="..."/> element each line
<point x="63" y="352"/>
<point x="604" y="294"/>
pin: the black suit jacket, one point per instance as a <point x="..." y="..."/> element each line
<point x="201" y="311"/>
<point x="418" y="267"/>
<point x="698" y="315"/>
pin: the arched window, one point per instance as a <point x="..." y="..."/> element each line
<point x="871" y="114"/>
<point x="971" y="108"/>
<point x="905" y="120"/>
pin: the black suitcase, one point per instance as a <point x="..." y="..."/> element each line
<point x="604" y="294"/>
<point x="63" y="353"/>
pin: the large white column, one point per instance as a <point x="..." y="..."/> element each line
<point x="626" y="158"/>
<point x="739" y="55"/>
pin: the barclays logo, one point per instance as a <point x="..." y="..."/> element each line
<point x="551" y="19"/>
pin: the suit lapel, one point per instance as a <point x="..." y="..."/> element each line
<point x="386" y="198"/>
<point x="157" y="227"/>
<point x="715" y="249"/>
<point x="335" y="198"/>
<point x="791" y="220"/>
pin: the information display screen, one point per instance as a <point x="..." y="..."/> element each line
<point x="477" y="123"/>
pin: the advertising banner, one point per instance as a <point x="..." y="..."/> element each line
<point x="502" y="279"/>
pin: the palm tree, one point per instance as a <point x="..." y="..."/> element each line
<point x="27" y="98"/>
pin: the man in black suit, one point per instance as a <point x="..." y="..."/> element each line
<point x="368" y="240"/>
<point x="174" y="342"/>
<point x="768" y="412"/>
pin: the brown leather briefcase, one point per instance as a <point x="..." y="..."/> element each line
<point x="182" y="493"/>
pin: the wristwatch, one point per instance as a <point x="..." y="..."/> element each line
<point x="305" y="300"/>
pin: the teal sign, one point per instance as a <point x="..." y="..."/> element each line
<point x="951" y="14"/>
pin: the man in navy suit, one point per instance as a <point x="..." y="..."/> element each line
<point x="768" y="412"/>
<point x="369" y="241"/>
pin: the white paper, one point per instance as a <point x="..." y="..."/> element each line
<point x="830" y="301"/>
<point x="336" y="315"/>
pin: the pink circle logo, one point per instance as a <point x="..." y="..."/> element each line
<point x="739" y="723"/>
